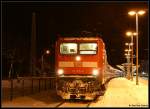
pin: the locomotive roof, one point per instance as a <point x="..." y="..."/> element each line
<point x="81" y="38"/>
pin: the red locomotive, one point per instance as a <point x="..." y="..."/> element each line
<point x="80" y="67"/>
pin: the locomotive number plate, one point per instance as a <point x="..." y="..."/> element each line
<point x="77" y="64"/>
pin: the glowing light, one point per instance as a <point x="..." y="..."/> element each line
<point x="143" y="73"/>
<point x="134" y="34"/>
<point x="60" y="71"/>
<point x="78" y="58"/>
<point x="95" y="72"/>
<point x="128" y="33"/>
<point x="141" y="12"/>
<point x="132" y="13"/>
<point x="129" y="50"/>
<point x="131" y="44"/>
<point x="127" y="54"/>
<point x="126" y="43"/>
<point x="47" y="52"/>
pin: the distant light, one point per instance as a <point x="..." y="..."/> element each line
<point x="141" y="12"/>
<point x="143" y="73"/>
<point x="128" y="33"/>
<point x="129" y="50"/>
<point x="134" y="33"/>
<point x="132" y="13"/>
<point x="126" y="43"/>
<point x="126" y="50"/>
<point x="47" y="52"/>
<point x="131" y="44"/>
<point x="127" y="54"/>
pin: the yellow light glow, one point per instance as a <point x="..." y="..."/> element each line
<point x="129" y="50"/>
<point x="126" y="43"/>
<point x="95" y="72"/>
<point x="60" y="71"/>
<point x="141" y="12"/>
<point x="128" y="33"/>
<point x="134" y="34"/>
<point x="126" y="54"/>
<point x="126" y="50"/>
<point x="131" y="44"/>
<point x="132" y="13"/>
<point x="47" y="52"/>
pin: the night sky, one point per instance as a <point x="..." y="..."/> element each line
<point x="109" y="19"/>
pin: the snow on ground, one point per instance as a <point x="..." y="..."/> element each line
<point x="124" y="93"/>
<point x="43" y="99"/>
<point x="120" y="93"/>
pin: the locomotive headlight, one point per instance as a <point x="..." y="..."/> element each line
<point x="78" y="58"/>
<point x="95" y="72"/>
<point x="60" y="71"/>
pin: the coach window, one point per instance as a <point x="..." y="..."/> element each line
<point x="88" y="48"/>
<point x="68" y="48"/>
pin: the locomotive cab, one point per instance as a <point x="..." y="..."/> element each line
<point x="80" y="67"/>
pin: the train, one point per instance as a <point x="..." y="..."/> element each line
<point x="80" y="66"/>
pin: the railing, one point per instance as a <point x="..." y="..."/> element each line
<point x="30" y="85"/>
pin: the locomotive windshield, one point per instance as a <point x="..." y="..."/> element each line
<point x="88" y="48"/>
<point x="68" y="48"/>
<point x="84" y="48"/>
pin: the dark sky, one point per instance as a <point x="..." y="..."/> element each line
<point x="110" y="19"/>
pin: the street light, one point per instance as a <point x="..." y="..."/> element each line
<point x="136" y="13"/>
<point x="42" y="58"/>
<point x="127" y="55"/>
<point x="128" y="59"/>
<point x="129" y="33"/>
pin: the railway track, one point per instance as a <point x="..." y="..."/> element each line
<point x="78" y="103"/>
<point x="74" y="103"/>
<point x="57" y="106"/>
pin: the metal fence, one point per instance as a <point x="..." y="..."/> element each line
<point x="29" y="85"/>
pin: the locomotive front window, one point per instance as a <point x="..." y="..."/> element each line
<point x="88" y="48"/>
<point x="68" y="48"/>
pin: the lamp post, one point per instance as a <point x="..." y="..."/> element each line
<point x="42" y="59"/>
<point x="128" y="60"/>
<point x="131" y="34"/>
<point x="136" y="13"/>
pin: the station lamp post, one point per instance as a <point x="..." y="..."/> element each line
<point x="136" y="13"/>
<point x="128" y="59"/>
<point x="127" y="55"/>
<point x="131" y="34"/>
<point x="42" y="58"/>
